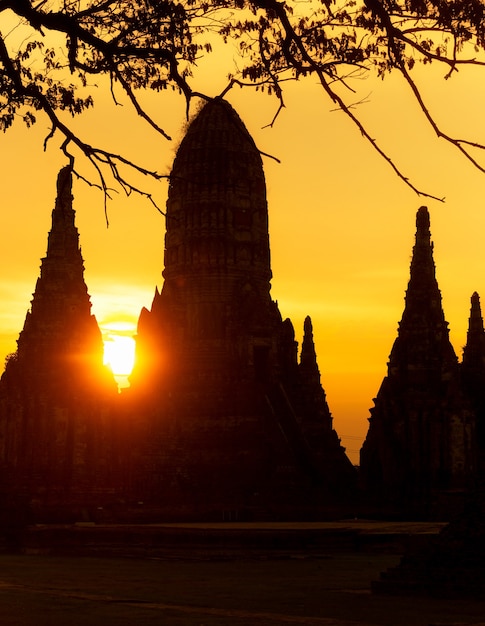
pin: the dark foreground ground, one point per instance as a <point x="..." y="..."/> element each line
<point x="326" y="583"/>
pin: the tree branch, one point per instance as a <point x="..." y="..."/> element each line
<point x="292" y="37"/>
<point x="136" y="104"/>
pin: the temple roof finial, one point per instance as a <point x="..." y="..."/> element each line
<point x="422" y="218"/>
<point x="308" y="357"/>
<point x="422" y="281"/>
<point x="474" y="351"/>
<point x="64" y="188"/>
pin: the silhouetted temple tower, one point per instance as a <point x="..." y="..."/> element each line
<point x="473" y="376"/>
<point x="217" y="261"/>
<point x="216" y="363"/>
<point x="419" y="448"/>
<point x="55" y="394"/>
<point x="60" y="332"/>
<point x="217" y="221"/>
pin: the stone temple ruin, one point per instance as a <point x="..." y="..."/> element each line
<point x="223" y="418"/>
<point x="237" y="413"/>
<point x="221" y="414"/>
<point x="56" y="397"/>
<point x="424" y="449"/>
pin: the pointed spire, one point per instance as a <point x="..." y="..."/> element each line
<point x="422" y="265"/>
<point x="473" y="376"/>
<point x="63" y="239"/>
<point x="423" y="296"/>
<point x="310" y="375"/>
<point x="418" y="444"/>
<point x="474" y="351"/>
<point x="156" y="302"/>
<point x="423" y="337"/>
<point x="308" y="357"/>
<point x="60" y="319"/>
<point x="64" y="189"/>
<point x="475" y="325"/>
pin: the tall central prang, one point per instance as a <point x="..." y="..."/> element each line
<point x="217" y="260"/>
<point x="218" y="369"/>
<point x="217" y="215"/>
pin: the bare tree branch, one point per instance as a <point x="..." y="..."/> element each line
<point x="137" y="106"/>
<point x="154" y="45"/>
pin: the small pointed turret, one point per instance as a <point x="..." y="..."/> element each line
<point x="317" y="425"/>
<point x="473" y="376"/>
<point x="308" y="358"/>
<point x="474" y="351"/>
<point x="310" y="375"/>
<point x="476" y="320"/>
<point x="422" y="264"/>
<point x="423" y="296"/>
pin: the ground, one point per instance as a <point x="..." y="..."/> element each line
<point x="260" y="588"/>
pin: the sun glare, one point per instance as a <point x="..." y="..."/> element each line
<point x="119" y="354"/>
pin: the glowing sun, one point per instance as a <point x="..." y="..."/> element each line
<point x="119" y="354"/>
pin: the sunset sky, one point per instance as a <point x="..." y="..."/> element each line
<point x="341" y="223"/>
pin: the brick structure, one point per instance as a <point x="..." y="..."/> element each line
<point x="419" y="453"/>
<point x="233" y="417"/>
<point x="473" y="377"/>
<point x="222" y="417"/>
<point x="56" y="397"/>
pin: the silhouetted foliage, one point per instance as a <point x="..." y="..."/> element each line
<point x="148" y="44"/>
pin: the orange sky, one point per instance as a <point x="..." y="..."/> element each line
<point x="341" y="223"/>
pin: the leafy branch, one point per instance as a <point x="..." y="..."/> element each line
<point x="155" y="45"/>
